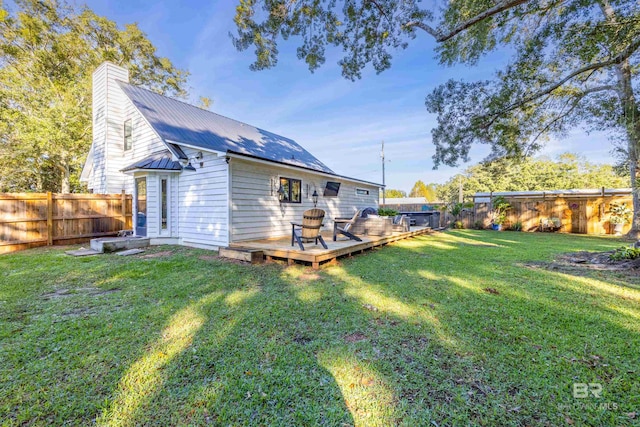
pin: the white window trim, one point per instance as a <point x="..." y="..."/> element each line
<point x="167" y="231"/>
<point x="124" y="127"/>
<point x="362" y="189"/>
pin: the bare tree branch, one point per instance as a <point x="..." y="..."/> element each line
<point x="441" y="36"/>
<point x="574" y="104"/>
<point x="599" y="89"/>
<point x="619" y="58"/>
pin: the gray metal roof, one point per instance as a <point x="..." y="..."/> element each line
<point x="178" y="122"/>
<point x="157" y="161"/>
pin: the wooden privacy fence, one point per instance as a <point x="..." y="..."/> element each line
<point x="29" y="220"/>
<point x="583" y="215"/>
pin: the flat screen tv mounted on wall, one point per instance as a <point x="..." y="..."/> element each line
<point x="332" y="188"/>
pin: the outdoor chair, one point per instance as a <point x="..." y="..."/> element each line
<point x="342" y="226"/>
<point x="309" y="229"/>
<point x="400" y="223"/>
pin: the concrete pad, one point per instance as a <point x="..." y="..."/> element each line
<point x="130" y="252"/>
<point x="82" y="252"/>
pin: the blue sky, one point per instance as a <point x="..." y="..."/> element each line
<point x="339" y="121"/>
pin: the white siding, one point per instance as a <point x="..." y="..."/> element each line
<point x="203" y="202"/>
<point x="145" y="142"/>
<point x="256" y="212"/>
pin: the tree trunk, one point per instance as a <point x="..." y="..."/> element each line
<point x="65" y="181"/>
<point x="65" y="186"/>
<point x="631" y="117"/>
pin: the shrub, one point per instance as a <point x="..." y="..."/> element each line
<point x="620" y="214"/>
<point x="516" y="226"/>
<point x="387" y="212"/>
<point x="478" y="225"/>
<point x="458" y="225"/>
<point x="500" y="209"/>
<point x="623" y="253"/>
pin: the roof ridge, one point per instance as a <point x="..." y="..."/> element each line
<point x="200" y="108"/>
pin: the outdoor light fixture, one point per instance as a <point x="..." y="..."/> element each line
<point x="314" y="197"/>
<point x="281" y="193"/>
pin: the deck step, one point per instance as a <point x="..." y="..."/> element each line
<point x="254" y="256"/>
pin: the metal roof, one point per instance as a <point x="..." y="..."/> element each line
<point x="157" y="161"/>
<point x="180" y="123"/>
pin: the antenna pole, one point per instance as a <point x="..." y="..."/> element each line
<point x="384" y="197"/>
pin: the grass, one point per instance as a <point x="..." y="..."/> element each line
<point x="458" y="328"/>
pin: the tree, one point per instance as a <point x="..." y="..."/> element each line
<point x="575" y="62"/>
<point x="568" y="171"/>
<point x="48" y="51"/>
<point x="395" y="193"/>
<point x="205" y="102"/>
<point x="420" y="189"/>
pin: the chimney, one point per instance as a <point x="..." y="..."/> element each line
<point x="109" y="103"/>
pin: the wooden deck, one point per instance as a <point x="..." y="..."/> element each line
<point x="282" y="249"/>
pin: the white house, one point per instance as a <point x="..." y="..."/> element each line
<point x="201" y="179"/>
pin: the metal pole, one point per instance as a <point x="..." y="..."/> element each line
<point x="384" y="196"/>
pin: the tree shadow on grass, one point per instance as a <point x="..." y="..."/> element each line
<point x="538" y="332"/>
<point x="241" y="354"/>
<point x="401" y="343"/>
<point x="402" y="336"/>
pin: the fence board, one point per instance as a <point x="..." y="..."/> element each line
<point x="38" y="219"/>
<point x="585" y="215"/>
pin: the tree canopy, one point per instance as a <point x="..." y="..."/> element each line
<point x="567" y="171"/>
<point x="391" y="193"/>
<point x="48" y="51"/>
<point x="420" y="189"/>
<point x="575" y="62"/>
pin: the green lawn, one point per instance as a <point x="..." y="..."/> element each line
<point x="457" y="328"/>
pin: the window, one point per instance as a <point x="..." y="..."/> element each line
<point x="128" y="135"/>
<point x="331" y="190"/>
<point x="362" y="192"/>
<point x="163" y="199"/>
<point x="292" y="190"/>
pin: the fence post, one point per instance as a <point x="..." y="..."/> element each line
<point x="49" y="218"/>
<point x="123" y="200"/>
